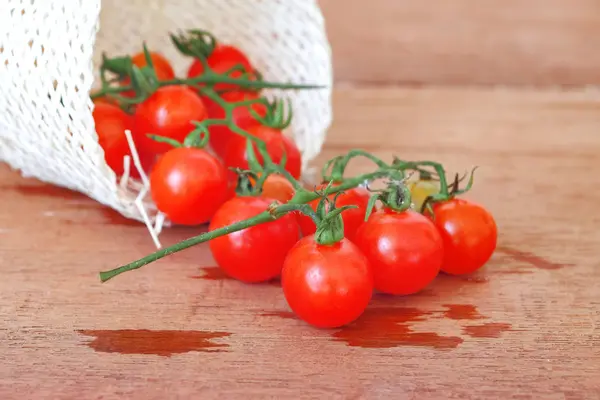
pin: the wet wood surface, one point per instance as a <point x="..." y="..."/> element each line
<point x="524" y="327"/>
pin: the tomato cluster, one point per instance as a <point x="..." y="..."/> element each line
<point x="329" y="285"/>
<point x="188" y="183"/>
<point x="215" y="153"/>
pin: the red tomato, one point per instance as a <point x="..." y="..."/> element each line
<point x="469" y="233"/>
<point x="277" y="143"/>
<point x="168" y="112"/>
<point x="254" y="254"/>
<point x="222" y="59"/>
<point x="162" y="67"/>
<point x="111" y="123"/>
<point x="353" y="218"/>
<point x="188" y="185"/>
<point x="220" y="136"/>
<point x="327" y="286"/>
<point x="277" y="187"/>
<point x="404" y="249"/>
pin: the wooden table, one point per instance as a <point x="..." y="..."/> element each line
<point x="523" y="327"/>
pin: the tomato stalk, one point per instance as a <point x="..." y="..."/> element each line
<point x="448" y="193"/>
<point x="396" y="196"/>
<point x="275" y="118"/>
<point x="338" y="165"/>
<point x="144" y="81"/>
<point x="297" y="203"/>
<point x="301" y="197"/>
<point x="330" y="225"/>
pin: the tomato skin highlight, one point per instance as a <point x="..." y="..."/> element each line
<point x="327" y="286"/>
<point x="236" y="155"/>
<point x="188" y="185"/>
<point x="405" y="250"/>
<point x="469" y="233"/>
<point x="353" y="218"/>
<point x="111" y="123"/>
<point x="220" y="135"/>
<point x="254" y="254"/>
<point x="169" y="112"/>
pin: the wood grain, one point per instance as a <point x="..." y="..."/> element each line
<point x="506" y="42"/>
<point x="524" y="327"/>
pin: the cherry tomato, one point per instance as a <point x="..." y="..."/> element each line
<point x="111" y="123"/>
<point x="469" y="234"/>
<point x="254" y="254"/>
<point x="404" y="249"/>
<point x="162" y="67"/>
<point x="168" y="112"/>
<point x="277" y="144"/>
<point x="221" y="136"/>
<point x="327" y="286"/>
<point x="353" y="218"/>
<point x="222" y="59"/>
<point x="188" y="185"/>
<point x="277" y="187"/>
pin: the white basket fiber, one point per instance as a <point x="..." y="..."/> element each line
<point x="50" y="50"/>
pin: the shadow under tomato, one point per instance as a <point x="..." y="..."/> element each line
<point x="217" y="274"/>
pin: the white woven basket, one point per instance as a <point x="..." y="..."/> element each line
<point x="50" y="51"/>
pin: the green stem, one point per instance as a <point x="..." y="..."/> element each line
<point x="210" y="79"/>
<point x="110" y="90"/>
<point x="263" y="217"/>
<point x="338" y="165"/>
<point x="301" y="197"/>
<point x="261" y="146"/>
<point x="439" y="169"/>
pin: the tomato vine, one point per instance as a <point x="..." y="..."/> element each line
<point x="278" y="115"/>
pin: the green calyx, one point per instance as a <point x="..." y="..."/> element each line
<point x="452" y="191"/>
<point x="330" y="225"/>
<point x="330" y="230"/>
<point x="198" y="138"/>
<point x="197" y="43"/>
<point x="279" y="114"/>
<point x="395" y="196"/>
<point x="250" y="183"/>
<point x="245" y="186"/>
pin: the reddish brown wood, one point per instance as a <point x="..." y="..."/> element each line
<point x="525" y="326"/>
<point x="504" y="42"/>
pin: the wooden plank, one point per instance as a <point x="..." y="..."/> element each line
<point x="536" y="42"/>
<point x="523" y="327"/>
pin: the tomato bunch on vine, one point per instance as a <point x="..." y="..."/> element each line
<point x="215" y="151"/>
